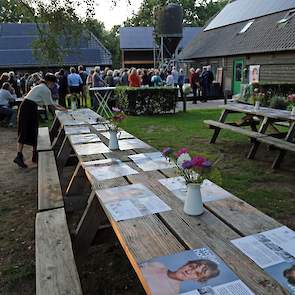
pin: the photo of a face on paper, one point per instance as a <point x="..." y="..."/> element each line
<point x="254" y="72"/>
<point x="273" y="251"/>
<point x="190" y="272"/>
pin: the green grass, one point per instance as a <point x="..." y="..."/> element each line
<point x="254" y="181"/>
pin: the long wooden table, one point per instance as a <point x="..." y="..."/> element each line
<point x="268" y="118"/>
<point x="169" y="232"/>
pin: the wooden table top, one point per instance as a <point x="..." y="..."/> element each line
<point x="225" y="218"/>
<point x="261" y="112"/>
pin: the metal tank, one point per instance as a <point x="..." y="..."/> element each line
<point x="168" y="27"/>
<point x="168" y="20"/>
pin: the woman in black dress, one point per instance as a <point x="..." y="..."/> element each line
<point x="40" y="95"/>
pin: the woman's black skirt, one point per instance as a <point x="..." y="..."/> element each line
<point x="28" y="123"/>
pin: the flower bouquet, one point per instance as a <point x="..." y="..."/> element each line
<point x="194" y="170"/>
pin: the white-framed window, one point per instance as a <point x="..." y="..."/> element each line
<point x="287" y="17"/>
<point x="247" y="26"/>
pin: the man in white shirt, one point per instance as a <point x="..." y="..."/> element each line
<point x="6" y="112"/>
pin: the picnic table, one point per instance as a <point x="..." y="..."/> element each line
<point x="267" y="133"/>
<point x="103" y="96"/>
<point x="171" y="231"/>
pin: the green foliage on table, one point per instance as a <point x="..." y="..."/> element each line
<point x="146" y="100"/>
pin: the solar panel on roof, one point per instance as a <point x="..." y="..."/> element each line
<point x="242" y="10"/>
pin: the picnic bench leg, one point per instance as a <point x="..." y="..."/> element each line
<point x="54" y="129"/>
<point x="280" y="157"/>
<point x="58" y="141"/>
<point x="78" y="185"/>
<point x="106" y="108"/>
<point x="92" y="219"/>
<point x="217" y="130"/>
<point x="63" y="155"/>
<point x="255" y="145"/>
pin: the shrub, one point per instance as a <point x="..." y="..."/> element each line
<point x="278" y="102"/>
<point x="148" y="101"/>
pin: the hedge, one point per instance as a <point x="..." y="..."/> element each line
<point x="147" y="101"/>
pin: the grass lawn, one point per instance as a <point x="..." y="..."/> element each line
<point x="251" y="180"/>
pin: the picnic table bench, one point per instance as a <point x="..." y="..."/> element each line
<point x="268" y="118"/>
<point x="56" y="271"/>
<point x="226" y="217"/>
<point x="43" y="141"/>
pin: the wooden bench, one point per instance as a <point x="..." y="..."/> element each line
<point x="56" y="271"/>
<point x="280" y="144"/>
<point x="43" y="143"/>
<point x="218" y="126"/>
<point x="49" y="190"/>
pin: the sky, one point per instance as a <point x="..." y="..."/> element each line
<point x="112" y="15"/>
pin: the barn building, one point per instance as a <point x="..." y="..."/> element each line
<point x="248" y="40"/>
<point x="138" y="48"/>
<point x="16" y="51"/>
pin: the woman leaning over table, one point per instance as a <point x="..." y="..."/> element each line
<point x="40" y="95"/>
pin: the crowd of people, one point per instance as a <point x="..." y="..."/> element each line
<point x="77" y="82"/>
<point x="57" y="90"/>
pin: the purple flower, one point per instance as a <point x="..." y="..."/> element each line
<point x="207" y="164"/>
<point x="187" y="165"/>
<point x="167" y="151"/>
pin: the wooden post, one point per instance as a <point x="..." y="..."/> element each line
<point x="184" y="103"/>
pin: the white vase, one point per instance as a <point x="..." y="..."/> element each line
<point x="113" y="142"/>
<point x="293" y="111"/>
<point x="257" y="105"/>
<point x="73" y="105"/>
<point x="193" y="204"/>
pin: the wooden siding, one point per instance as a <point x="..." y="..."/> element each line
<point x="276" y="68"/>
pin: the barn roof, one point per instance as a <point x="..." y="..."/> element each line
<point x="132" y="38"/>
<point x="16" y="48"/>
<point x="268" y="33"/>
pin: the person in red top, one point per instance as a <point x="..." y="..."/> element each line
<point x="134" y="79"/>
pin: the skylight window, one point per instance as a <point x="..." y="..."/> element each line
<point x="287" y="17"/>
<point x="246" y="27"/>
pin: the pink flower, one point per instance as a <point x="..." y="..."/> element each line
<point x="198" y="161"/>
<point x="181" y="151"/>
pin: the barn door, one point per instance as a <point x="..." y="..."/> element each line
<point x="238" y="75"/>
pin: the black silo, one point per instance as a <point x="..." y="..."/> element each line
<point x="169" y="25"/>
<point x="169" y="20"/>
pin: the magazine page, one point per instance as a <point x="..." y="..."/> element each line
<point x="84" y="138"/>
<point x="76" y="130"/>
<point x="273" y="251"/>
<point x="121" y="135"/>
<point x="209" y="190"/>
<point x="131" y="201"/>
<point x="100" y="127"/>
<point x="91" y="149"/>
<point x="132" y="143"/>
<point x="151" y="161"/>
<point x="192" y="272"/>
<point x="108" y="169"/>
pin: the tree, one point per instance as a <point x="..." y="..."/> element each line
<point x="195" y="13"/>
<point x="12" y="11"/>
